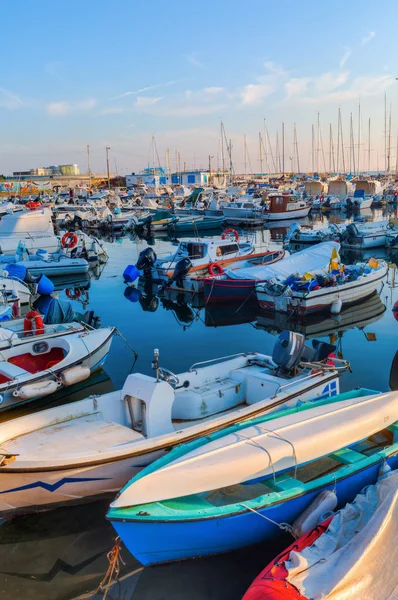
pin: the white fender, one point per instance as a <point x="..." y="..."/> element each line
<point x="325" y="502"/>
<point x="37" y="390"/>
<point x="74" y="375"/>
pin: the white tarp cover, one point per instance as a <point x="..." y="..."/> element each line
<point x="357" y="556"/>
<point x="312" y="259"/>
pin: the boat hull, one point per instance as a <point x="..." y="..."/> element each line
<point x="25" y="490"/>
<point x="323" y="299"/>
<point x="299" y="213"/>
<point x="166" y="541"/>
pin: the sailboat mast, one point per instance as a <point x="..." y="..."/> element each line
<point x="222" y="149"/>
<point x="359" y="136"/>
<point x="389" y="143"/>
<point x="244" y="142"/>
<point x="312" y="150"/>
<point x="283" y="148"/>
<point x="342" y="141"/>
<point x="260" y="142"/>
<point x="278" y="156"/>
<point x="369" y="146"/>
<point x="338" y="141"/>
<point x="385" y="132"/>
<point x="317" y="143"/>
<point x="269" y="146"/>
<point x="296" y="149"/>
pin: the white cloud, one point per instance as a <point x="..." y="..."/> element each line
<point x="188" y="94"/>
<point x="194" y="60"/>
<point x="366" y="39"/>
<point x="345" y="57"/>
<point x="145" y="89"/>
<point x="66" y="107"/>
<point x="214" y="90"/>
<point x="297" y="86"/>
<point x="9" y="100"/>
<point x="274" y="68"/>
<point x="336" y="88"/>
<point x="254" y="94"/>
<point x="148" y="100"/>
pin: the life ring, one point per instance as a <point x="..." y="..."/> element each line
<point x="73" y="294"/>
<point x="69" y="240"/>
<point x="33" y="205"/>
<point x="33" y="324"/>
<point x="215" y="269"/>
<point x="228" y="231"/>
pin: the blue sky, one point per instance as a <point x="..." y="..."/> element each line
<point x="118" y="73"/>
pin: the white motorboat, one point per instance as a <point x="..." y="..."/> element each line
<point x="57" y="264"/>
<point x="309" y="235"/>
<point x="366" y="191"/>
<point x="39" y="367"/>
<point x="15" y="287"/>
<point x="244" y="211"/>
<point x="365" y="235"/>
<point x="322" y="290"/>
<point x="286" y="206"/>
<point x="115" y="435"/>
<point x="34" y="228"/>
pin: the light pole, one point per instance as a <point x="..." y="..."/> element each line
<point x="210" y="157"/>
<point x="107" y="165"/>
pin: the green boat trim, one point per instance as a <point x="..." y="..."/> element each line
<point x="275" y="490"/>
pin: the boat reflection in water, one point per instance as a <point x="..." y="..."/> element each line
<point x="359" y="315"/>
<point x="57" y="554"/>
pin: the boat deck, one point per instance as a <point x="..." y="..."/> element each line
<point x="82" y="436"/>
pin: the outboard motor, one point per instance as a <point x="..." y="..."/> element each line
<point x="181" y="270"/>
<point x="290" y="350"/>
<point x="146" y="261"/>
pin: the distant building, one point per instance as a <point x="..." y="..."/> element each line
<point x="49" y="171"/>
<point x="158" y="177"/>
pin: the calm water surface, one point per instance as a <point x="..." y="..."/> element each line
<point x="62" y="554"/>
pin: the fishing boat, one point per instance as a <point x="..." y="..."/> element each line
<point x="195" y="224"/>
<point x="36" y="366"/>
<point x="244" y="211"/>
<point x="392" y="234"/>
<point x="349" y="553"/>
<point x="364" y="235"/>
<point x="191" y="256"/>
<point x="115" y="435"/>
<point x="234" y="488"/>
<point x="320" y="291"/>
<point x="195" y="281"/>
<point x="308" y="235"/>
<point x="240" y="283"/>
<point x="286" y="206"/>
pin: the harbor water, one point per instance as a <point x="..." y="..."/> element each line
<point x="62" y="554"/>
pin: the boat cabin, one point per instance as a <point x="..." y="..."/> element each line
<point x="280" y="203"/>
<point x="212" y="249"/>
<point x="368" y="187"/>
<point x="30" y="222"/>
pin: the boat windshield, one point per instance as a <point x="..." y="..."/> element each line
<point x="193" y="249"/>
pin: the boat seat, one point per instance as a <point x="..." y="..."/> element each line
<point x="347" y="456"/>
<point x="394" y="429"/>
<point x="11" y="371"/>
<point x="259" y="383"/>
<point x="283" y="483"/>
<point x="198" y="402"/>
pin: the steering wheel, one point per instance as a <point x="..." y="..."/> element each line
<point x="168" y="376"/>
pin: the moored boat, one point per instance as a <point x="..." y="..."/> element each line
<point x="116" y="434"/>
<point x="38" y="366"/>
<point x="233" y="488"/>
<point x="286" y="206"/>
<point x="350" y="553"/>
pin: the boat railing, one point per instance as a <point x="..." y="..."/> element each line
<point x="320" y="368"/>
<point x="220" y="358"/>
